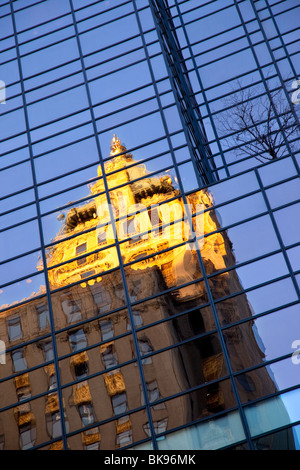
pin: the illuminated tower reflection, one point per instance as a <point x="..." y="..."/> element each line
<point x="169" y="319"/>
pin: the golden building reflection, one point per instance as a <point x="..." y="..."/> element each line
<point x="98" y="370"/>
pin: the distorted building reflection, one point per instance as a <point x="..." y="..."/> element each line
<point x="165" y="310"/>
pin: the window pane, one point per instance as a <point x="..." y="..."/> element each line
<point x="256" y="301"/>
<point x="63" y="198"/>
<point x="235" y="187"/>
<point x="16" y="178"/>
<point x="273" y="413"/>
<point x="211" y="435"/>
<point x="46" y="39"/>
<point x="277" y="171"/>
<point x="17" y="216"/>
<point x="13" y="157"/>
<point x="31" y="434"/>
<point x="284" y="193"/>
<point x="20" y="267"/>
<point x="18" y="240"/>
<point x="109" y="386"/>
<point x="183" y="327"/>
<point x="288" y="221"/>
<point x="116" y="434"/>
<point x="21" y="291"/>
<point x="88" y="299"/>
<point x="279" y="375"/>
<point x="19" y="389"/>
<point x="186" y="366"/>
<point x="50" y="57"/>
<point x="243" y="208"/>
<point x="173" y="302"/>
<point x="182" y="262"/>
<point x="52" y="109"/>
<point x="66" y="159"/>
<point x="287" y="439"/>
<point x="269" y="337"/>
<point x="294" y="256"/>
<point x="40" y="13"/>
<point x="12" y="124"/>
<point x="189" y="407"/>
<point x="240" y="243"/>
<point x="121" y="30"/>
<point x="61" y="184"/>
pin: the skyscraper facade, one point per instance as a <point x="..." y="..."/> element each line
<point x="149" y="239"/>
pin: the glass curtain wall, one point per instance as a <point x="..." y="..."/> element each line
<point x="149" y="247"/>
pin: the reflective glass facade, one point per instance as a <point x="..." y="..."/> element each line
<point x="149" y="251"/>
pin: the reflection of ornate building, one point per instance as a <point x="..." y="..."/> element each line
<point x="153" y="236"/>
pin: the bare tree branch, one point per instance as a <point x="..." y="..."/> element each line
<point x="257" y="124"/>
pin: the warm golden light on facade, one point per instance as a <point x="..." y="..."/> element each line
<point x="159" y="236"/>
<point x="150" y="218"/>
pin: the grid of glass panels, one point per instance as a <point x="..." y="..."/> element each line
<point x="233" y="51"/>
<point x="76" y="73"/>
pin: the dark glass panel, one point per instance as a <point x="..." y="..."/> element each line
<point x="180" y="328"/>
<point x="287" y="439"/>
<point x="175" y="301"/>
<point x="186" y="366"/>
<point x="195" y="405"/>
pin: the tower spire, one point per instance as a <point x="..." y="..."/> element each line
<point x="116" y="146"/>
